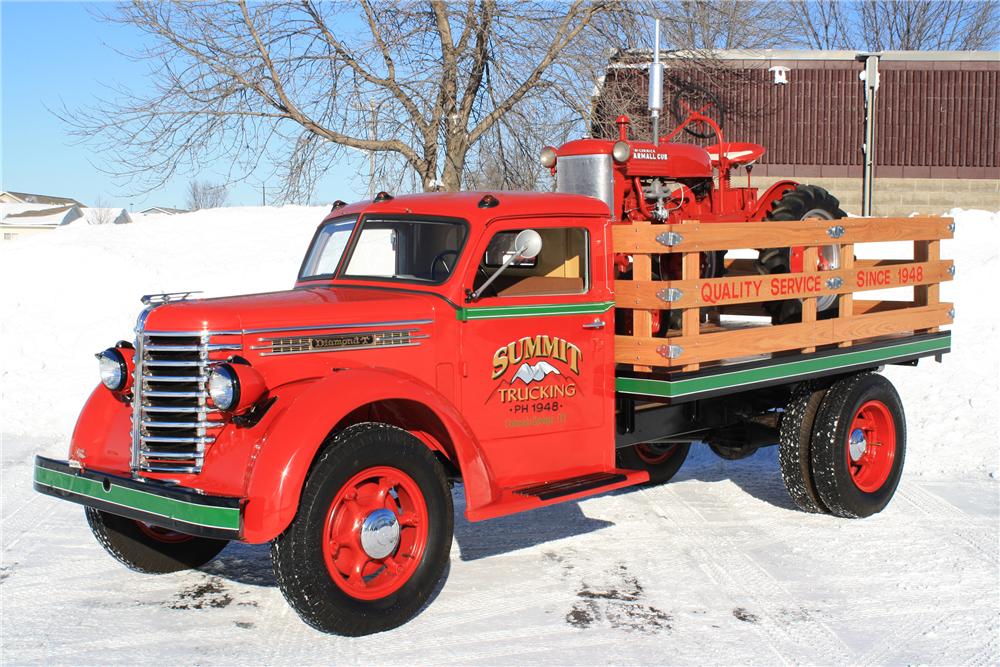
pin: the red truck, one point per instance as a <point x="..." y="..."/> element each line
<point x="521" y="344"/>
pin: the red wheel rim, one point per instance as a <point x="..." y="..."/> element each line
<point x="654" y="455"/>
<point x="162" y="534"/>
<point x="871" y="446"/>
<point x="352" y="568"/>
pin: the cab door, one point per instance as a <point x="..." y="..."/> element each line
<point x="537" y="352"/>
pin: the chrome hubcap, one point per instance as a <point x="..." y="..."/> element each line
<point x="858" y="444"/>
<point x="380" y="533"/>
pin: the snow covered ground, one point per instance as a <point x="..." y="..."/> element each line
<point x="714" y="567"/>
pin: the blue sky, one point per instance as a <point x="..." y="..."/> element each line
<point x="58" y="51"/>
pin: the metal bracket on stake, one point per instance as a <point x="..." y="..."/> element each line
<point x="669" y="238"/>
<point x="951" y="227"/>
<point x="835" y="232"/>
<point x="670" y="351"/>
<point x="951" y="313"/>
<point x="834" y="283"/>
<point x="951" y="270"/>
<point x="670" y="294"/>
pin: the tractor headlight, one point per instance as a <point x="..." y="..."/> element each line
<point x="224" y="387"/>
<point x="548" y="157"/>
<point x="113" y="369"/>
<point x="621" y="151"/>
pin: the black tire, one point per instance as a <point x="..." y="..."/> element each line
<point x="139" y="550"/>
<point x="297" y="554"/>
<point x="730" y="453"/>
<point x="838" y="490"/>
<point x="802" y="202"/>
<point x="794" y="454"/>
<point x="661" y="461"/>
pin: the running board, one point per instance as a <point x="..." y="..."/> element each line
<point x="531" y="495"/>
<point x="566" y="487"/>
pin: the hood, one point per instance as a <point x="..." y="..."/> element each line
<point x="293" y="308"/>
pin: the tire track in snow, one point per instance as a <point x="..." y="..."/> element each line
<point x="804" y="639"/>
<point x="978" y="535"/>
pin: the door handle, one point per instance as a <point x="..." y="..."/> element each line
<point x="598" y="323"/>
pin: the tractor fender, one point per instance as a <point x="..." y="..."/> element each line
<point x="292" y="440"/>
<point x="767" y="200"/>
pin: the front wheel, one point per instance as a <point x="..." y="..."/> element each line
<point x="150" y="549"/>
<point x="372" y="535"/>
<point x="858" y="446"/>
<point x="660" y="460"/>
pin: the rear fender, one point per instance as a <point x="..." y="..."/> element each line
<point x="291" y="443"/>
<point x="767" y="200"/>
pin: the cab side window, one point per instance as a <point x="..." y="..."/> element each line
<point x="561" y="268"/>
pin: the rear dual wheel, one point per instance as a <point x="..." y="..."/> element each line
<point x="842" y="450"/>
<point x="372" y="535"/>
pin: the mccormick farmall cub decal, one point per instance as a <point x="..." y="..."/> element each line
<point x="536" y="374"/>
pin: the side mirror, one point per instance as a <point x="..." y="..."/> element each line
<point x="528" y="244"/>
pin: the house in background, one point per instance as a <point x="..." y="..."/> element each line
<point x="29" y="198"/>
<point x="106" y="216"/>
<point x="22" y="219"/>
<point x="162" y="210"/>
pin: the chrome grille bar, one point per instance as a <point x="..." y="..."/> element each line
<point x="172" y="422"/>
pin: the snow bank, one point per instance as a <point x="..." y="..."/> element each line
<point x="71" y="293"/>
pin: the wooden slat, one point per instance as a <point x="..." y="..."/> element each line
<point x="749" y="289"/>
<point x="771" y="234"/>
<point x="927" y="295"/>
<point x="875" y="306"/>
<point x="755" y="341"/>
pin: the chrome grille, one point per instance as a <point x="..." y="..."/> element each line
<point x="172" y="422"/>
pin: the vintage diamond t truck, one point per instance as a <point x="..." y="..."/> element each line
<point x="534" y="347"/>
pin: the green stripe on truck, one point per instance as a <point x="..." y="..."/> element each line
<point x="779" y="371"/>
<point x="200" y="515"/>
<point x="540" y="310"/>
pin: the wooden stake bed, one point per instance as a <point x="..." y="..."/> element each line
<point x="855" y="332"/>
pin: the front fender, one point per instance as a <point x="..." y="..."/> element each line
<point x="290" y="444"/>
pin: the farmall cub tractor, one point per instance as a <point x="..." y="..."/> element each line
<point x="466" y="338"/>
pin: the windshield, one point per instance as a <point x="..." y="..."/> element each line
<point x="406" y="250"/>
<point x="327" y="249"/>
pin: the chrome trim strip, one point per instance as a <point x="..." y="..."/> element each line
<point x="179" y="440"/>
<point x="182" y="334"/>
<point x="151" y="454"/>
<point x="341" y="349"/>
<point x="179" y="364"/>
<point x="284" y="339"/>
<point x="175" y="378"/>
<point x="168" y="468"/>
<point x="323" y="327"/>
<point x="176" y="394"/>
<point x="179" y="408"/>
<point x="140" y="323"/>
<point x="193" y="348"/>
<point x="149" y="423"/>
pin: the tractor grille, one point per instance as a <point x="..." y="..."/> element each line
<point x="172" y="422"/>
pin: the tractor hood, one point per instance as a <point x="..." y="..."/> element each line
<point x="319" y="307"/>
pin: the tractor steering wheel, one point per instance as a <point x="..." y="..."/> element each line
<point x="691" y="96"/>
<point x="440" y="257"/>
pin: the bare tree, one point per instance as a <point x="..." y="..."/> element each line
<point x="202" y="194"/>
<point x="722" y="24"/>
<point x="296" y="82"/>
<point x="899" y="25"/>
<point x="100" y="213"/>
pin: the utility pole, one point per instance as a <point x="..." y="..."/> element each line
<point x="263" y="199"/>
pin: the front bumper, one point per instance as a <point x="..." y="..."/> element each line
<point x="150" y="501"/>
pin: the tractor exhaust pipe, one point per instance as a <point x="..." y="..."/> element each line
<point x="656" y="86"/>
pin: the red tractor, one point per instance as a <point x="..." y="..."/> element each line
<point x="668" y="182"/>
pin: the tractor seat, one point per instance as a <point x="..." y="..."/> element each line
<point x="737" y="152"/>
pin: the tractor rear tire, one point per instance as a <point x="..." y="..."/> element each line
<point x="150" y="549"/>
<point x="661" y="461"/>
<point x="858" y="445"/>
<point x="794" y="450"/>
<point x="805" y="201"/>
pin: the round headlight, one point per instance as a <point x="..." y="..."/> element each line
<point x="114" y="372"/>
<point x="621" y="151"/>
<point x="224" y="387"/>
<point x="548" y="157"/>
